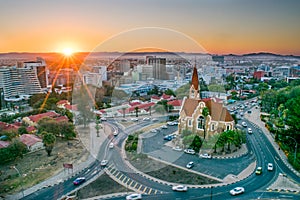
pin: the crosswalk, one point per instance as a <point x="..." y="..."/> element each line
<point x="128" y="182"/>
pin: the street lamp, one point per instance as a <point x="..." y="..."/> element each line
<point x="295" y="153"/>
<point x="14" y="167"/>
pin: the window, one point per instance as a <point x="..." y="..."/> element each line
<point x="190" y="122"/>
<point x="212" y="127"/>
<point x="200" y="122"/>
<point x="228" y="127"/>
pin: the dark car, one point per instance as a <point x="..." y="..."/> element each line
<point x="168" y="137"/>
<point x="78" y="181"/>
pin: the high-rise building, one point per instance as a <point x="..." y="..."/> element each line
<point x="159" y="67"/>
<point x="40" y="68"/>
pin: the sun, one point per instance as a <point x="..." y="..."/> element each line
<point x="67" y="51"/>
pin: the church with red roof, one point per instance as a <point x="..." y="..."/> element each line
<point x="193" y="115"/>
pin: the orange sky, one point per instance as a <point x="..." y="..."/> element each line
<point x="220" y="27"/>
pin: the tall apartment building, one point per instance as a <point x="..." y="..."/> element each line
<point x="39" y="67"/>
<point x="101" y="70"/>
<point x="19" y="81"/>
<point x="159" y="67"/>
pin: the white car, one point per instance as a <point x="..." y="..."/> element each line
<point x="190" y="165"/>
<point x="111" y="145"/>
<point x="163" y="127"/>
<point x="104" y="163"/>
<point x="237" y="190"/>
<point x="153" y="131"/>
<point x="146" y="119"/>
<point x="189" y="151"/>
<point x="244" y="124"/>
<point x="270" y="167"/>
<point x="134" y="196"/>
<point x="103" y="119"/>
<point x="177" y="148"/>
<point x="205" y="155"/>
<point x="180" y="188"/>
<point x="134" y="119"/>
<point x="116" y="133"/>
<point x="249" y="130"/>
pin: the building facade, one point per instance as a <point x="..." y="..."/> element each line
<point x="193" y="115"/>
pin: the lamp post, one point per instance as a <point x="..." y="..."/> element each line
<point x="14" y="167"/>
<point x="211" y="187"/>
<point x="295" y="153"/>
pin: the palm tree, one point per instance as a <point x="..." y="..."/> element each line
<point x="205" y="113"/>
<point x="136" y="111"/>
<point x="49" y="140"/>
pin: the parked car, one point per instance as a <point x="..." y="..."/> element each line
<point x="205" y="155"/>
<point x="190" y="165"/>
<point x="134" y="196"/>
<point x="258" y="171"/>
<point x="163" y="127"/>
<point x="249" y="130"/>
<point x="111" y="145"/>
<point x="104" y="163"/>
<point x="177" y="148"/>
<point x="146" y="119"/>
<point x="154" y="131"/>
<point x="103" y="119"/>
<point x="154" y="119"/>
<point x="189" y="151"/>
<point x="270" y="167"/>
<point x="170" y="123"/>
<point x="115" y="132"/>
<point x="134" y="119"/>
<point x="79" y="180"/>
<point x="168" y="137"/>
<point x="244" y="124"/>
<point x="237" y="190"/>
<point x="180" y="188"/>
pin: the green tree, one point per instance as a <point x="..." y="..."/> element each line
<point x="49" y="141"/>
<point x="136" y="111"/>
<point x="22" y="130"/>
<point x="170" y="92"/>
<point x="66" y="130"/>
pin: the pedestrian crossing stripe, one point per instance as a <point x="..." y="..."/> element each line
<point x="140" y="187"/>
<point x="135" y="184"/>
<point x="150" y="190"/>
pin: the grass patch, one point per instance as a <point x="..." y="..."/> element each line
<point x="37" y="166"/>
<point x="101" y="186"/>
<point x="166" y="172"/>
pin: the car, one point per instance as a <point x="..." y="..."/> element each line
<point x="180" y="188"/>
<point x="249" y="130"/>
<point x="154" y="119"/>
<point x="237" y="190"/>
<point x="134" y="119"/>
<point x="124" y="120"/>
<point x="190" y="165"/>
<point x="154" y="131"/>
<point x="170" y="123"/>
<point x="163" y="127"/>
<point x="103" y="163"/>
<point x="270" y="167"/>
<point x="111" y="145"/>
<point x="258" y="171"/>
<point x="103" y="119"/>
<point x="189" y="151"/>
<point x="205" y="155"/>
<point x="115" y="133"/>
<point x="244" y="124"/>
<point x="168" y="137"/>
<point x="134" y="196"/>
<point x="177" y="148"/>
<point x="146" y="119"/>
<point x="249" y="111"/>
<point x="79" y="180"/>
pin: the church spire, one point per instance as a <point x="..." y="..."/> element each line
<point x="194" y="90"/>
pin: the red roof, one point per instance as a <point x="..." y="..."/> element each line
<point x="155" y="97"/>
<point x="3" y="144"/>
<point x="61" y="119"/>
<point x="134" y="103"/>
<point x="175" y="102"/>
<point x="144" y="106"/>
<point x="29" y="139"/>
<point x="71" y="107"/>
<point x="30" y="129"/>
<point x="166" y="97"/>
<point x="62" y="102"/>
<point x="36" y="118"/>
<point x="5" y="126"/>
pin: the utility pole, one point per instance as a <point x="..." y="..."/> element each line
<point x="14" y="167"/>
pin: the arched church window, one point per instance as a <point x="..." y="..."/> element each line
<point x="200" y="122"/>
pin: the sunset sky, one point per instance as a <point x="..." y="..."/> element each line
<point x="219" y="26"/>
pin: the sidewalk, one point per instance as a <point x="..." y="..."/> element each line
<point x="92" y="144"/>
<point x="254" y="117"/>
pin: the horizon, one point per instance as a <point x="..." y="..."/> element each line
<point x="215" y="27"/>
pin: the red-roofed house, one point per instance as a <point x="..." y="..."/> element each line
<point x="62" y="103"/>
<point x="33" y="119"/>
<point x="142" y="108"/>
<point x="8" y="127"/>
<point x="31" y="141"/>
<point x="61" y="119"/>
<point x="167" y="97"/>
<point x="31" y="129"/>
<point x="155" y="99"/>
<point x="3" y="144"/>
<point x="176" y="104"/>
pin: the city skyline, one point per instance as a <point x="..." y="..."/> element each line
<point x="218" y="27"/>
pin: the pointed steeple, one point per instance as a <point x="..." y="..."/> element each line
<point x="194" y="89"/>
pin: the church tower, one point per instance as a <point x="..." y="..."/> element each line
<point x="194" y="89"/>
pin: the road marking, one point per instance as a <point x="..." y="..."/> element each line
<point x="140" y="187"/>
<point x="155" y="192"/>
<point x="150" y="191"/>
<point x="131" y="183"/>
<point x="127" y="181"/>
<point x="115" y="173"/>
<point x="144" y="191"/>
<point x="135" y="184"/>
<point x="120" y="176"/>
